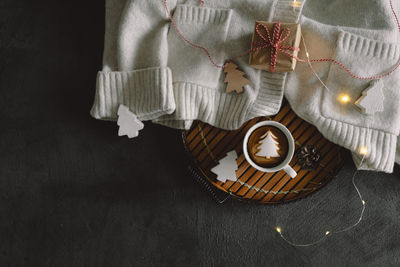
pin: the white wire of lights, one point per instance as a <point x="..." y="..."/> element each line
<point x="344" y="99"/>
<point x="364" y="204"/>
<point x="363" y="151"/>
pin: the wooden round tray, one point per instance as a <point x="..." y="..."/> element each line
<point x="207" y="145"/>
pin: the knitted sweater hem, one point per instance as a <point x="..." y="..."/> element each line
<point x="147" y="93"/>
<point x="225" y="111"/>
<point x="151" y="95"/>
<point x="381" y="146"/>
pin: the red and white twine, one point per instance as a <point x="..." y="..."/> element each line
<point x="205" y="50"/>
<point x="274" y="43"/>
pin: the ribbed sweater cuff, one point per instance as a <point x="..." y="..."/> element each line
<point x="364" y="47"/>
<point x="225" y="111"/>
<point x="270" y="96"/>
<point x="381" y="146"/>
<point x="148" y="93"/>
<point x="193" y="14"/>
<point x="195" y="102"/>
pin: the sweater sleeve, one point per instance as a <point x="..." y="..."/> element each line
<point x="135" y="71"/>
<point x="366" y="52"/>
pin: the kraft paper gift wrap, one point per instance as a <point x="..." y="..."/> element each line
<point x="260" y="58"/>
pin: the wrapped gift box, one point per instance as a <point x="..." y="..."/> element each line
<point x="275" y="46"/>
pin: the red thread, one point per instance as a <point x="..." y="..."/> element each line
<point x="347" y="69"/>
<point x="187" y="40"/>
<point x="395" y="15"/>
<point x="274" y="46"/>
<point x="281" y="48"/>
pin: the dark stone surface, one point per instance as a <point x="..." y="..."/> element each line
<point x="72" y="193"/>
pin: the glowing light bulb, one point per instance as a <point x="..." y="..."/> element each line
<point x="278" y="229"/>
<point x="364" y="202"/>
<point x="363" y="151"/>
<point x="344" y="98"/>
<point x="327" y="233"/>
<point x="296" y="3"/>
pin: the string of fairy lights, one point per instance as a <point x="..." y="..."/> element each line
<point x="343" y="99"/>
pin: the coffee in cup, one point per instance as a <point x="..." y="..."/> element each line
<point x="269" y="147"/>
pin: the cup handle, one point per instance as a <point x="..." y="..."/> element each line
<point x="289" y="170"/>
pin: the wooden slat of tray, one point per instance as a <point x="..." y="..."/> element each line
<point x="207" y="145"/>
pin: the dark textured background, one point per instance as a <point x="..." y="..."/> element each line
<point x="72" y="193"/>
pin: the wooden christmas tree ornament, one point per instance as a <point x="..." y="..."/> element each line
<point x="234" y="78"/>
<point x="372" y="98"/>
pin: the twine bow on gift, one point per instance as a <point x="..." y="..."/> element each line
<point x="275" y="43"/>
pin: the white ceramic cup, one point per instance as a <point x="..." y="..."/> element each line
<point x="284" y="165"/>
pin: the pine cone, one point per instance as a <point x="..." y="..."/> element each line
<point x="308" y="157"/>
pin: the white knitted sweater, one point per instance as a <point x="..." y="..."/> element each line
<point x="367" y="41"/>
<point x="150" y="69"/>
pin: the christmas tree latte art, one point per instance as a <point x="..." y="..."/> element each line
<point x="268" y="147"/>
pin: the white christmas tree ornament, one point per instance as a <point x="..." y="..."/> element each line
<point x="372" y="98"/>
<point x="128" y="123"/>
<point x="268" y="146"/>
<point x="226" y="170"/>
